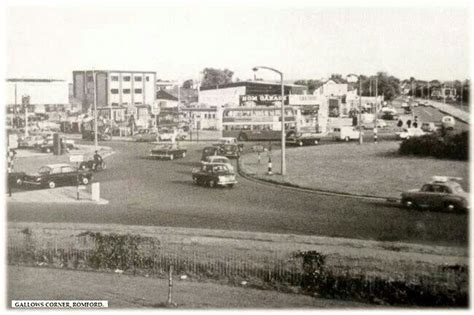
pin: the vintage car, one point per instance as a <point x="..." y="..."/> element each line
<point x="429" y="127"/>
<point x="209" y="151"/>
<point x="48" y="145"/>
<point x="346" y="133"/>
<point x="168" y="151"/>
<point x="214" y="174"/>
<point x="408" y="133"/>
<point x="30" y="141"/>
<point x="229" y="140"/>
<point x="441" y="192"/>
<point x="54" y="175"/>
<point x="448" y="122"/>
<point x="212" y="159"/>
<point x="146" y="135"/>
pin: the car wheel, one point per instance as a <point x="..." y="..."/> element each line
<point x="19" y="181"/>
<point x="85" y="180"/>
<point x="212" y="183"/>
<point x="51" y="184"/>
<point x="47" y="150"/>
<point x="195" y="181"/>
<point x="300" y="143"/>
<point x="316" y="141"/>
<point x="171" y="157"/>
<point x="184" y="154"/>
<point x="347" y="139"/>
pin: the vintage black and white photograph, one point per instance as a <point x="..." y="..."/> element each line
<point x="237" y="155"/>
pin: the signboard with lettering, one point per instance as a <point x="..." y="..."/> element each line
<point x="261" y="100"/>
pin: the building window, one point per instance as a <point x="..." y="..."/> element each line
<point x="137" y="79"/>
<point x="126" y="78"/>
<point x="114" y="78"/>
<point x="138" y="91"/>
<point x="90" y="78"/>
<point x="114" y="91"/>
<point x="115" y="104"/>
<point x="147" y="78"/>
<point x="126" y="91"/>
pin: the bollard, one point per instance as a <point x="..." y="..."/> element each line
<point x="258" y="157"/>
<point x="170" y="284"/>
<point x="95" y="191"/>
<point x="375" y="135"/>
<point x="270" y="165"/>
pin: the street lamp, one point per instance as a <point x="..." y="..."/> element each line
<point x="360" y="105"/>
<point x="283" y="135"/>
<point x="95" y="110"/>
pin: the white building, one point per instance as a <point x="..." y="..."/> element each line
<point x="331" y="88"/>
<point x="119" y="94"/>
<point x="46" y="95"/>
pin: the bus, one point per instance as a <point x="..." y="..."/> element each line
<point x="258" y="123"/>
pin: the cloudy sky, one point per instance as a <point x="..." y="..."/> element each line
<point x="179" y="40"/>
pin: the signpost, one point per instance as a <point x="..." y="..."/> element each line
<point x="77" y="158"/>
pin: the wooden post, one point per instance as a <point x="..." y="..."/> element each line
<point x="170" y="283"/>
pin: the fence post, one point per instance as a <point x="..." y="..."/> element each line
<point x="170" y="283"/>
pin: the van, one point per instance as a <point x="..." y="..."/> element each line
<point x="346" y="133"/>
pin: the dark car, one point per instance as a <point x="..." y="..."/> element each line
<point x="168" y="151"/>
<point x="54" y="175"/>
<point x="214" y="174"/>
<point x="48" y="145"/>
<point x="230" y="150"/>
<point x="442" y="193"/>
<point x="208" y="151"/>
<point x="101" y="136"/>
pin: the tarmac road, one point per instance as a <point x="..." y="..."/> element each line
<point x="161" y="193"/>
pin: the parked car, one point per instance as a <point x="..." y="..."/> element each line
<point x="230" y="151"/>
<point x="429" y="127"/>
<point x="346" y="133"/>
<point x="48" y="145"/>
<point x="54" y="175"/>
<point x="212" y="175"/>
<point x="441" y="192"/>
<point x="213" y="159"/>
<point x="408" y="133"/>
<point x="146" y="135"/>
<point x="209" y="151"/>
<point x="448" y="122"/>
<point x="168" y="151"/>
<point x="182" y="134"/>
<point x="30" y="141"/>
<point x="380" y="124"/>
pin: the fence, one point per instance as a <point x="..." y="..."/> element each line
<point x="283" y="270"/>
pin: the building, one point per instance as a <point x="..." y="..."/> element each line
<point x="444" y="93"/>
<point x="45" y="95"/>
<point x="203" y="118"/>
<point x="246" y="93"/>
<point x="119" y="94"/>
<point x="331" y="88"/>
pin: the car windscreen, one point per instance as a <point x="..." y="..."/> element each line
<point x="44" y="170"/>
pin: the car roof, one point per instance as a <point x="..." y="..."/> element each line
<point x="57" y="165"/>
<point x="217" y="157"/>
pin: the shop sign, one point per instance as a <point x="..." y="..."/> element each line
<point x="262" y="100"/>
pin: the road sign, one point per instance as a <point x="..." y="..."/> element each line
<point x="76" y="158"/>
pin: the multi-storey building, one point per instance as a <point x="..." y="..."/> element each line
<point x="119" y="94"/>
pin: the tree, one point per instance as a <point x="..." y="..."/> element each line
<point x="310" y="84"/>
<point x="188" y="84"/>
<point x="214" y="77"/>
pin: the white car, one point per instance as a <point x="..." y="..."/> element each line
<point x="168" y="135"/>
<point x="408" y="133"/>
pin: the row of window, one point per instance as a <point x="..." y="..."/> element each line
<point x="127" y="78"/>
<point x="136" y="103"/>
<point x="126" y="91"/>
<point x="257" y="113"/>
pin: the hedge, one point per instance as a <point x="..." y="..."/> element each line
<point x="449" y="146"/>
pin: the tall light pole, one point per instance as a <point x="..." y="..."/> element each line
<point x="359" y="121"/>
<point x="283" y="134"/>
<point x="96" y="142"/>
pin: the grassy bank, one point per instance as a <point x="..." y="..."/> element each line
<point x="257" y="261"/>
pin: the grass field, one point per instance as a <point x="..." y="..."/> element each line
<point x="368" y="169"/>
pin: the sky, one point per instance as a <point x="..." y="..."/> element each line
<point x="179" y="40"/>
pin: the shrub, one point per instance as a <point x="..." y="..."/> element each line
<point x="443" y="147"/>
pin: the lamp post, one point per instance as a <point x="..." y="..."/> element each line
<point x="95" y="111"/>
<point x="359" y="124"/>
<point x="283" y="135"/>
